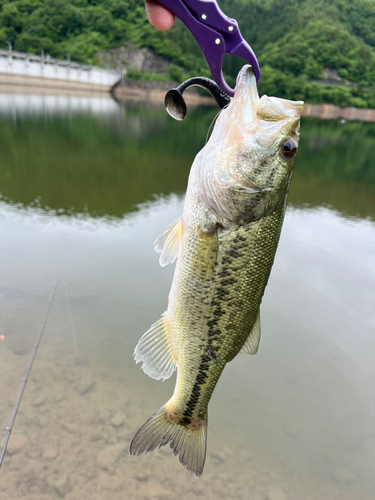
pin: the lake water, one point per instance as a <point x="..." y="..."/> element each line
<point x="86" y="186"/>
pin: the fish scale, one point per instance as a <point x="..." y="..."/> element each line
<point x="225" y="308"/>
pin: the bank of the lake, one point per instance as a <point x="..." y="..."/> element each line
<point x="140" y="91"/>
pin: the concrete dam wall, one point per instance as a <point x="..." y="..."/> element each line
<point x="25" y="73"/>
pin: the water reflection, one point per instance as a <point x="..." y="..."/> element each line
<point x="18" y="106"/>
<point x="336" y="167"/>
<point x="104" y="164"/>
<point x="84" y="197"/>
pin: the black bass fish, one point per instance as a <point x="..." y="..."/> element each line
<point x="225" y="241"/>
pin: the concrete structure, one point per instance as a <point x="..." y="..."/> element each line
<point x="27" y="72"/>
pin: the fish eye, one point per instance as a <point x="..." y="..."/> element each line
<point x="288" y="148"/>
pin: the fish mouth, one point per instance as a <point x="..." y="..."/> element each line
<point x="246" y="85"/>
<point x="246" y="98"/>
<point x="268" y="118"/>
<point x="270" y="109"/>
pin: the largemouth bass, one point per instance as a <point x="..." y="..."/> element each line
<point x="225" y="242"/>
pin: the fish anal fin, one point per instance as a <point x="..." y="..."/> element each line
<point x="252" y="342"/>
<point x="154" y="350"/>
<point x="169" y="243"/>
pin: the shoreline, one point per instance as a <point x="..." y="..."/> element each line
<point x="154" y="92"/>
<point x="333" y="112"/>
<point x="20" y="84"/>
<point x="321" y="111"/>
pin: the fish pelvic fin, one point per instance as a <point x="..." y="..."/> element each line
<point x="252" y="342"/>
<point x="155" y="351"/>
<point x="169" y="243"/>
<point x="189" y="441"/>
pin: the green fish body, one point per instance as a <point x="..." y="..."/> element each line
<point x="225" y="241"/>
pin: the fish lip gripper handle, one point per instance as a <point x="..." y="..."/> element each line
<point x="215" y="33"/>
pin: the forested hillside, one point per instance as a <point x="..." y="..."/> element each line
<point x="316" y="50"/>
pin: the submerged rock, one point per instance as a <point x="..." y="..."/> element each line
<point x="72" y="428"/>
<point x="63" y="485"/>
<point x="39" y="401"/>
<point x="276" y="493"/>
<point x="118" y="420"/>
<point x="16" y="443"/>
<point x="108" y="457"/>
<point x="8" y="480"/>
<point x="83" y="388"/>
<point x="50" y="453"/>
<point x="107" y="482"/>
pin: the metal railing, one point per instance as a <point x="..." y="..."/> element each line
<point x="21" y="63"/>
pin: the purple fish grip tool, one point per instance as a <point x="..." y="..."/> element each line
<point x="210" y="13"/>
<point x="215" y="33"/>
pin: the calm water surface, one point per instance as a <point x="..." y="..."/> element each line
<point x="85" y="188"/>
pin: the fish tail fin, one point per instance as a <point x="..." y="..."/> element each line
<point x="186" y="440"/>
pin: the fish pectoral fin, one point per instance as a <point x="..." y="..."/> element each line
<point x="252" y="342"/>
<point x="154" y="350"/>
<point x="169" y="243"/>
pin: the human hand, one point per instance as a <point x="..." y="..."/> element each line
<point x="159" y="16"/>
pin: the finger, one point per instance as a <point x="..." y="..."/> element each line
<point x="160" y="17"/>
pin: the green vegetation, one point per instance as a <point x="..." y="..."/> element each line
<point x="294" y="40"/>
<point x="146" y="76"/>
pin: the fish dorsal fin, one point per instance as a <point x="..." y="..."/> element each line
<point x="154" y="350"/>
<point x="169" y="243"/>
<point x="252" y="342"/>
